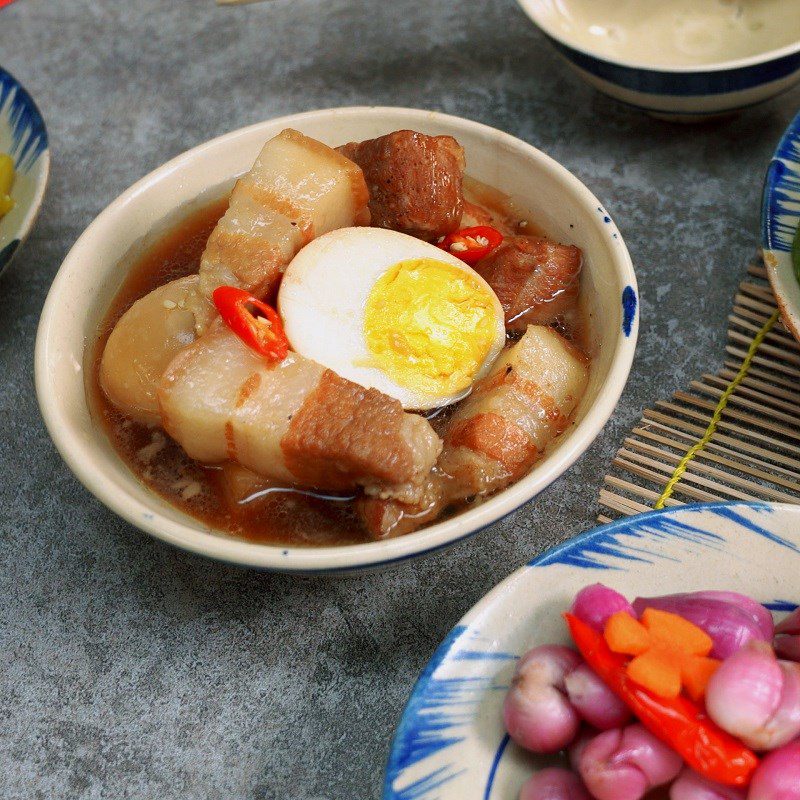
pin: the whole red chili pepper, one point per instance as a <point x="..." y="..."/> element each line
<point x="679" y="722"/>
<point x="472" y="244"/>
<point x="262" y="331"/>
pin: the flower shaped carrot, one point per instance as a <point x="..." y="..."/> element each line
<point x="670" y="653"/>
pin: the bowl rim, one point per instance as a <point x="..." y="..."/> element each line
<point x="42" y="162"/>
<point x="534" y="11"/>
<point x="773" y="258"/>
<point x="77" y="453"/>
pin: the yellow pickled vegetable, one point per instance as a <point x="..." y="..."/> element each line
<point x="6" y="182"/>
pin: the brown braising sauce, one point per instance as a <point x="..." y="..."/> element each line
<point x="276" y="516"/>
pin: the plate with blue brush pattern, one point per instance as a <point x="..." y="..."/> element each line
<point x="780" y="218"/>
<point x="451" y="744"/>
<point x="24" y="137"/>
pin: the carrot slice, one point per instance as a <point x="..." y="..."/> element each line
<point x="696" y="672"/>
<point x="673" y="632"/>
<point x="624" y="634"/>
<point x="658" y="671"/>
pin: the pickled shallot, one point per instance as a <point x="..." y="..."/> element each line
<point x="691" y="786"/>
<point x="593" y="700"/>
<point x="787" y="637"/>
<point x="710" y="728"/>
<point x="756" y="697"/>
<point x="596" y="603"/>
<point x="778" y="777"/>
<point x="554" y="783"/>
<point x="624" y="764"/>
<point x="537" y="713"/>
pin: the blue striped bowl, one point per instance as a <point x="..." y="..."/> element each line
<point x="780" y="218"/>
<point x="682" y="94"/>
<point x="24" y="137"/>
<point x="451" y="744"/>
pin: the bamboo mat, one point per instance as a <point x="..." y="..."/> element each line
<point x="754" y="453"/>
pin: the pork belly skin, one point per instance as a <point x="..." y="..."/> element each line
<point x="414" y="181"/>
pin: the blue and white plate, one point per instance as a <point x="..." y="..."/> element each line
<point x="780" y="217"/>
<point x="451" y="744"/>
<point x="23" y="136"/>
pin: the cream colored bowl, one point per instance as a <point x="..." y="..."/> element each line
<point x="682" y="92"/>
<point x="91" y="275"/>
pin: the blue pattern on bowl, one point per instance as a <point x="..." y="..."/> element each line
<point x="780" y="207"/>
<point x="24" y="137"/>
<point x="697" y="83"/>
<point x="629" y="304"/>
<point x="28" y="133"/>
<point x="450" y="743"/>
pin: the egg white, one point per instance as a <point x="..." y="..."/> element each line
<point x="323" y="296"/>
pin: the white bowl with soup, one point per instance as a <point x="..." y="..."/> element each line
<point x="157" y="230"/>
<point x="680" y="59"/>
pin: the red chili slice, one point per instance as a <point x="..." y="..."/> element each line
<point x="253" y="321"/>
<point x="472" y="244"/>
<point x="680" y="722"/>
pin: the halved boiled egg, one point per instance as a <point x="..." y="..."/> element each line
<point x="389" y="311"/>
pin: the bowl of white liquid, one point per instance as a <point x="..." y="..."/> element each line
<point x="681" y="59"/>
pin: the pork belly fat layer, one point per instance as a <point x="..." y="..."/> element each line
<point x="536" y="280"/>
<point x="414" y="181"/>
<point x="297" y="189"/>
<point x="294" y="422"/>
<point x="515" y="412"/>
<point x="222" y="402"/>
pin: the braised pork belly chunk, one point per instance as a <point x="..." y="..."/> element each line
<point x="535" y="279"/>
<point x="344" y="348"/>
<point x="496" y="434"/>
<point x="294" y="422"/>
<point x="414" y="182"/>
<point x="297" y="190"/>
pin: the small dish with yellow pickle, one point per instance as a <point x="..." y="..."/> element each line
<point x="24" y="165"/>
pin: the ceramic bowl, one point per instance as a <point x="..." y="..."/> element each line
<point x="24" y="137"/>
<point x="451" y="743"/>
<point x="780" y="218"/>
<point x="89" y="278"/>
<point x="677" y="93"/>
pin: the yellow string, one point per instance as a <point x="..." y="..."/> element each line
<point x="717" y="415"/>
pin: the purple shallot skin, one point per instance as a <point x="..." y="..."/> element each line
<point x="554" y="783"/>
<point x="596" y="603"/>
<point x="691" y="786"/>
<point x="625" y="764"/>
<point x="537" y="713"/>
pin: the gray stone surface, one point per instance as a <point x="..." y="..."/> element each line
<point x="130" y="669"/>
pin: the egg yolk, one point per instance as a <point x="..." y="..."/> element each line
<point x="430" y="325"/>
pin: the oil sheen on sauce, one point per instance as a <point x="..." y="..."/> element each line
<point x="676" y="33"/>
<point x="276" y="515"/>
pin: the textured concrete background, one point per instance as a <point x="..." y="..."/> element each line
<point x="130" y="669"/>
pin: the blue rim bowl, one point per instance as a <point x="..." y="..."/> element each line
<point x="23" y="136"/>
<point x="681" y="94"/>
